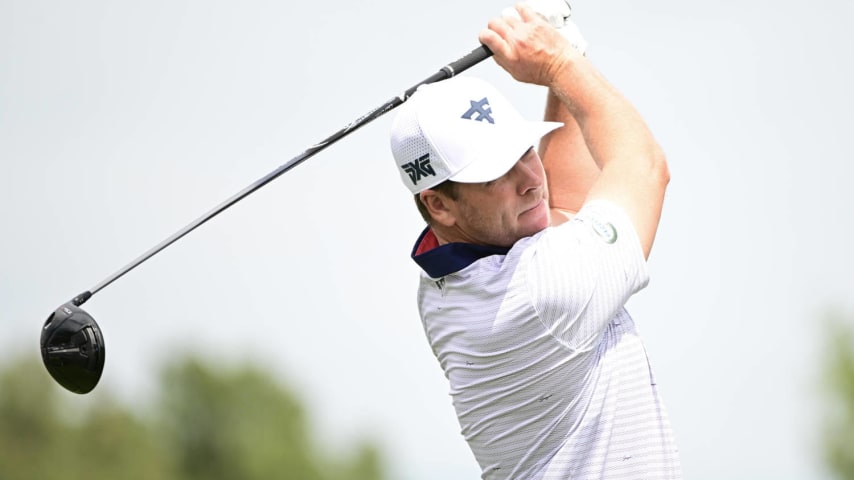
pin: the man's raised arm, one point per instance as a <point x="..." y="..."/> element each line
<point x="634" y="172"/>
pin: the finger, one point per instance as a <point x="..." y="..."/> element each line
<point x="510" y="16"/>
<point x="502" y="26"/>
<point x="528" y="14"/>
<point x="495" y="42"/>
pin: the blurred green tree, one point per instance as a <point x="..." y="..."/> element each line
<point x="228" y="424"/>
<point x="44" y="438"/>
<point x="210" y="424"/>
<point x="839" y="381"/>
<point x="29" y="427"/>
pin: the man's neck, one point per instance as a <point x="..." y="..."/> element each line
<point x="559" y="216"/>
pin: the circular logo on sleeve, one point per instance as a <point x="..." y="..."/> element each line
<point x="605" y="230"/>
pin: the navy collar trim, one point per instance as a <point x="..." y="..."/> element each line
<point x="451" y="257"/>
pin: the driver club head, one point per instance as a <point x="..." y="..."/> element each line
<point x="72" y="348"/>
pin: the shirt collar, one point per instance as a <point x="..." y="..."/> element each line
<point x="440" y="260"/>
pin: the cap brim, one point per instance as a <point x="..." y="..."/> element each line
<point x="498" y="151"/>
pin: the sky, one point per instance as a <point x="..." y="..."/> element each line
<point x="121" y="122"/>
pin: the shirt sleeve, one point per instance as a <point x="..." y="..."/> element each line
<point x="583" y="272"/>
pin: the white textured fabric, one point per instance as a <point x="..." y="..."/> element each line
<point x="460" y="129"/>
<point x="547" y="373"/>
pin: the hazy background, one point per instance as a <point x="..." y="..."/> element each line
<point x="121" y="122"/>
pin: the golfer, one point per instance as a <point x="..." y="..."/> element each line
<point x="529" y="258"/>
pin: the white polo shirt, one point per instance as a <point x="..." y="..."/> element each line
<point x="547" y="372"/>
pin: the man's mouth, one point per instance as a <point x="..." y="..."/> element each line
<point x="533" y="207"/>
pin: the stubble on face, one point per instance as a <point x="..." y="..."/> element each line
<point x="501" y="212"/>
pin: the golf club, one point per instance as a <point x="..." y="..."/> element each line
<point x="72" y="344"/>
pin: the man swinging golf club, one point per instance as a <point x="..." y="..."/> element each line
<point x="529" y="258"/>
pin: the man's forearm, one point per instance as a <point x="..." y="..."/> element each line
<point x="612" y="129"/>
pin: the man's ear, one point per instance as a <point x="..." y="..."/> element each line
<point x="440" y="207"/>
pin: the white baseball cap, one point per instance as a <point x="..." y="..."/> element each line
<point x="462" y="130"/>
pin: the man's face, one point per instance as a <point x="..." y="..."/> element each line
<point x="504" y="210"/>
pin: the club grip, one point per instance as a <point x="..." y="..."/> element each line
<point x="471" y="59"/>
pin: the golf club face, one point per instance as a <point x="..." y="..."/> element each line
<point x="72" y="347"/>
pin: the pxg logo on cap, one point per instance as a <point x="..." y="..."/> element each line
<point x="462" y="130"/>
<point x="420" y="168"/>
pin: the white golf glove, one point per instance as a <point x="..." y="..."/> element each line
<point x="556" y="13"/>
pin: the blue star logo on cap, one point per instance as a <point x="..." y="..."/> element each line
<point x="480" y="111"/>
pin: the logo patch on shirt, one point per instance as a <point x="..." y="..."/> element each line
<point x="605" y="230"/>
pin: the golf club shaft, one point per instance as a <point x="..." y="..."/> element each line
<point x="472" y="58"/>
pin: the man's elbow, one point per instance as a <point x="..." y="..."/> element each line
<point x="660" y="171"/>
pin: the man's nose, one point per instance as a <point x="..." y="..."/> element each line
<point x="529" y="177"/>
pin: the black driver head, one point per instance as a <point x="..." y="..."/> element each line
<point x="73" y="348"/>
